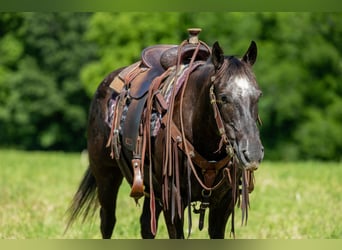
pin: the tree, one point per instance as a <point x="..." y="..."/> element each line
<point x="45" y="105"/>
<point x="122" y="36"/>
<point x="299" y="69"/>
<point x="51" y="64"/>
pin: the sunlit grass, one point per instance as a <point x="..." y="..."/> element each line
<point x="290" y="201"/>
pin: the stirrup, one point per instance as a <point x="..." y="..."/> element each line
<point x="137" y="190"/>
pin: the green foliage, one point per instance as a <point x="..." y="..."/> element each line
<point x="122" y="36"/>
<point x="11" y="49"/>
<point x="65" y="56"/>
<point x="301" y="87"/>
<point x="43" y="104"/>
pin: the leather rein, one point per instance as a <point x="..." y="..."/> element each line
<point x="209" y="168"/>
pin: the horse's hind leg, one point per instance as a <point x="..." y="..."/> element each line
<point x="108" y="187"/>
<point x="145" y="219"/>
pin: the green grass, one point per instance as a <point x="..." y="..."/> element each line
<point x="290" y="201"/>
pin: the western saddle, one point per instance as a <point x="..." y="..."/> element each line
<point x="132" y="85"/>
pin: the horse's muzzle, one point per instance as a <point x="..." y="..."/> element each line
<point x="250" y="154"/>
<point x="251" y="166"/>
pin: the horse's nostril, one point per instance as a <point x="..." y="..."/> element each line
<point x="262" y="154"/>
<point x="245" y="153"/>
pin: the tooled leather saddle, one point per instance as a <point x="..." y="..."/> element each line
<point x="132" y="85"/>
<point x="137" y="78"/>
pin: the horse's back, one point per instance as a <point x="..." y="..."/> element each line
<point x="98" y="131"/>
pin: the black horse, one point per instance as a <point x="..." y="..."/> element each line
<point x="215" y="115"/>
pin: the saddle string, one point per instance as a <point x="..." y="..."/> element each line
<point x="114" y="139"/>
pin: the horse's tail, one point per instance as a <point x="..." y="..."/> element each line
<point x="84" y="199"/>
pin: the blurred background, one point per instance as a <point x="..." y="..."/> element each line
<point x="51" y="64"/>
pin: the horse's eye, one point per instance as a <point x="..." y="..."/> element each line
<point x="224" y="99"/>
<point x="260" y="94"/>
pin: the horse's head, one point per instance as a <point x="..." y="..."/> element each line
<point x="237" y="94"/>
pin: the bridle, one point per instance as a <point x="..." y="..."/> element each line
<point x="210" y="169"/>
<point x="217" y="115"/>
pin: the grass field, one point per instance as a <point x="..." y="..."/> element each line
<point x="290" y="201"/>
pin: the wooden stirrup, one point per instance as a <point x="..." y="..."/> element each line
<point x="137" y="190"/>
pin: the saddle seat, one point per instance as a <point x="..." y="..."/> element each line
<point x="151" y="56"/>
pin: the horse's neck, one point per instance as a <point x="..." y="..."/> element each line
<point x="205" y="136"/>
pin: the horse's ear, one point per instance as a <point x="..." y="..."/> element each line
<point x="217" y="56"/>
<point x="251" y="54"/>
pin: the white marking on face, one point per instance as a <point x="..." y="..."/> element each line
<point x="242" y="87"/>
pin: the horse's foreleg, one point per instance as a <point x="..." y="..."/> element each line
<point x="175" y="227"/>
<point x="145" y="219"/>
<point x="108" y="187"/>
<point x="218" y="217"/>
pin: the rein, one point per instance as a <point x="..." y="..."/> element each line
<point x="247" y="176"/>
<point x="210" y="169"/>
<point x="220" y="125"/>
